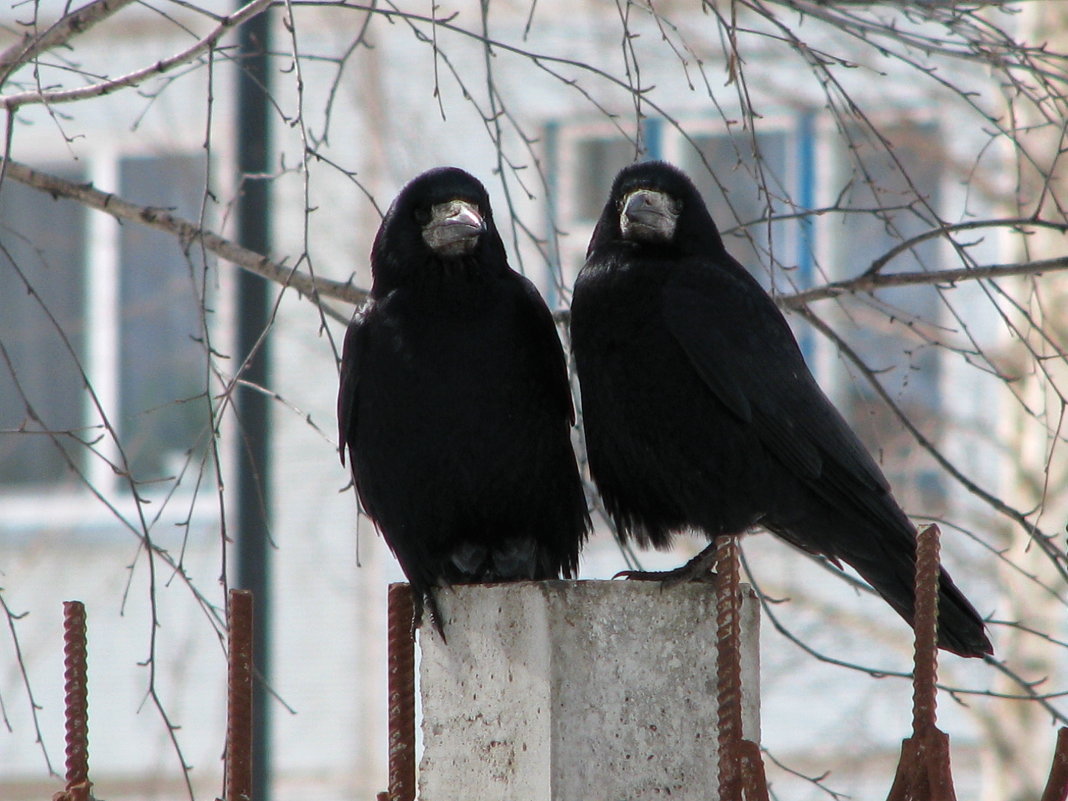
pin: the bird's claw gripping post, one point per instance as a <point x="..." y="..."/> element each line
<point x="701" y="568"/>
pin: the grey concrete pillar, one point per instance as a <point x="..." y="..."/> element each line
<point x="577" y="691"/>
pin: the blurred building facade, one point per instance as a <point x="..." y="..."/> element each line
<point x="133" y="315"/>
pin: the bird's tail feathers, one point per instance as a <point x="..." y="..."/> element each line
<point x="960" y="627"/>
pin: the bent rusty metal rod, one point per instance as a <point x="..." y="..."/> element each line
<point x="1057" y="785"/>
<point x="924" y="774"/>
<point x="76" y="689"/>
<point x="729" y="690"/>
<point x="925" y="674"/>
<point x="741" y="768"/>
<point x="239" y="673"/>
<point x="401" y="691"/>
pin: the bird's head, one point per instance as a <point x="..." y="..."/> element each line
<point x="648" y="215"/>
<point x="452" y="227"/>
<point x="440" y="217"/>
<point x="653" y="203"/>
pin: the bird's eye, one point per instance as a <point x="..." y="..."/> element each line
<point x="422" y="215"/>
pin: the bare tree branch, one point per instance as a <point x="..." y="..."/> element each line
<point x="206" y="43"/>
<point x="317" y="287"/>
<point x="34" y="43"/>
<point x="1017" y="224"/>
<point x="1057" y="557"/>
<point x="871" y="282"/>
<point x="34" y="706"/>
<point x="189" y="233"/>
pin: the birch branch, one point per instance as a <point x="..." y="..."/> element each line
<point x="316" y="287"/>
<point x="34" y="42"/>
<point x="871" y="282"/>
<point x="1017" y="223"/>
<point x="249" y="10"/>
<point x="188" y="233"/>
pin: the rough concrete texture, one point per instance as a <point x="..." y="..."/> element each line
<point x="577" y="691"/>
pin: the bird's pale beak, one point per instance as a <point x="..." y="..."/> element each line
<point x="454" y="228"/>
<point x="648" y="216"/>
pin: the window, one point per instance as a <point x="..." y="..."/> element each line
<point x="126" y="309"/>
<point x="906" y="188"/>
<point x="751" y="184"/>
<point x="582" y="161"/>
<point x="752" y="176"/>
<point x="598" y="160"/>
<point x="744" y="186"/>
<point x="163" y="410"/>
<point x="43" y="248"/>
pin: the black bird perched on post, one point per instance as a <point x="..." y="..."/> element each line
<point x="454" y="403"/>
<point x="699" y="410"/>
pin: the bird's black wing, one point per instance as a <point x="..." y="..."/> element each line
<point x="349" y="380"/>
<point x="743" y="349"/>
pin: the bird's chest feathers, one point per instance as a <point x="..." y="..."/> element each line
<point x="448" y="348"/>
<point x="625" y="309"/>
<point x="638" y="362"/>
<point x="439" y="347"/>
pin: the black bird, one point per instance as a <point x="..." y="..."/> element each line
<point x="454" y="402"/>
<point x="700" y="413"/>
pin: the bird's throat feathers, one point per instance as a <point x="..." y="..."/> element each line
<point x="433" y="272"/>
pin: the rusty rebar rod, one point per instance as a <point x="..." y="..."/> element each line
<point x="925" y="623"/>
<point x="728" y="667"/>
<point x="239" y="667"/>
<point x="76" y="690"/>
<point x="401" y="688"/>
<point x="923" y="772"/>
<point x="741" y="768"/>
<point x="1057" y="785"/>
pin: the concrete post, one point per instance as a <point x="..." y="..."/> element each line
<point x="577" y="691"/>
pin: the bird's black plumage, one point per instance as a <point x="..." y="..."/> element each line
<point x="454" y="404"/>
<point x="700" y="413"/>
